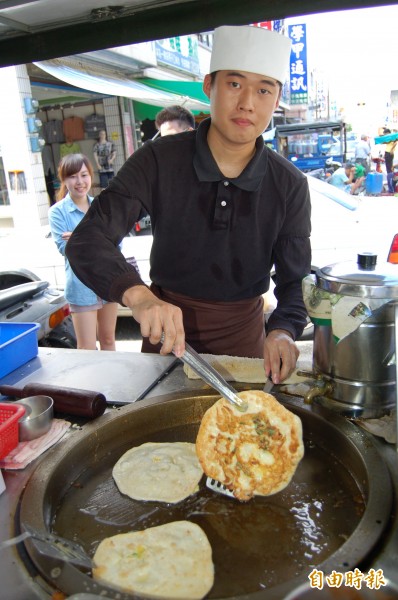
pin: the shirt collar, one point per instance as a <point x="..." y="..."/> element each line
<point x="207" y="170"/>
<point x="71" y="206"/>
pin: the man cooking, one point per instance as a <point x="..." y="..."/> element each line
<point x="224" y="209"/>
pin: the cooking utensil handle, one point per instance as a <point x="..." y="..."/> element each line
<point x="72" y="401"/>
<point x="56" y="546"/>
<point x="10" y="390"/>
<point x="212" y="377"/>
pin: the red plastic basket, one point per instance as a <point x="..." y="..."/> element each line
<point x="9" y="417"/>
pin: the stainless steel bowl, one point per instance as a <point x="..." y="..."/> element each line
<point x="37" y="418"/>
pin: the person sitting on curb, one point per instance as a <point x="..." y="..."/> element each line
<point x="345" y="179"/>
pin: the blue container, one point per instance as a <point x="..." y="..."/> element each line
<point x="18" y="345"/>
<point x="374" y="183"/>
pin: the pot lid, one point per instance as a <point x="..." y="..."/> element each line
<point x="364" y="278"/>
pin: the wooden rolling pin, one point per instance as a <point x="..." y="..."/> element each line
<point x="72" y="401"/>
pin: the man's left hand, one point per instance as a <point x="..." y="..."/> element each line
<point x="280" y="355"/>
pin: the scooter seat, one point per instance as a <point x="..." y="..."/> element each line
<point x="21" y="293"/>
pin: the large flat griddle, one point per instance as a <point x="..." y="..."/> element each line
<point x="330" y="516"/>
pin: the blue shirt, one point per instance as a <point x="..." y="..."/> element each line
<point x="65" y="216"/>
<point x="340" y="180"/>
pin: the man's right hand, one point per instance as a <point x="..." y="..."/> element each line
<point x="156" y="318"/>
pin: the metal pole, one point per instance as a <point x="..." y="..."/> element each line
<point x="136" y="142"/>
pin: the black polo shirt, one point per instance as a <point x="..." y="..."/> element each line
<point x="214" y="237"/>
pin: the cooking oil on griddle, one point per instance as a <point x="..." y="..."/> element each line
<point x="256" y="545"/>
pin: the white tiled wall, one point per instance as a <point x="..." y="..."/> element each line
<point x="29" y="207"/>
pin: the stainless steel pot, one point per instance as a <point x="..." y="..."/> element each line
<point x="361" y="366"/>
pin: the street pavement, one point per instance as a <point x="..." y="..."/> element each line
<point x="128" y="335"/>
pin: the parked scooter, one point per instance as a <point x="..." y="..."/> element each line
<point x="26" y="299"/>
<point x="378" y="160"/>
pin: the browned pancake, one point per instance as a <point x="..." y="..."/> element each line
<point x="251" y="453"/>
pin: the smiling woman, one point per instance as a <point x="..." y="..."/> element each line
<point x="92" y="317"/>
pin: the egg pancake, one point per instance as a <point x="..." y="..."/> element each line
<point x="169" y="561"/>
<point x="251" y="453"/>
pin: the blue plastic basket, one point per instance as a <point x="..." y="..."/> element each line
<point x="18" y="345"/>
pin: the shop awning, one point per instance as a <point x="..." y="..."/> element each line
<point x="386" y="139"/>
<point x="187" y="89"/>
<point x="78" y="74"/>
<point x="190" y="89"/>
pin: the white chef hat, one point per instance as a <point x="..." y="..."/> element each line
<point x="252" y="49"/>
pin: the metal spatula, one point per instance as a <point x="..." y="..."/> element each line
<point x="56" y="546"/>
<point x="218" y="487"/>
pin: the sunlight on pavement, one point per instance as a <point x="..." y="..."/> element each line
<point x="128" y="345"/>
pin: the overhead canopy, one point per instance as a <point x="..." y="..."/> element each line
<point x="298" y="128"/>
<point x="108" y="82"/>
<point x="147" y="111"/>
<point x="190" y="89"/>
<point x="386" y="139"/>
<point x="42" y="29"/>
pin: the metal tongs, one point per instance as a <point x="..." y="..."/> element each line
<point x="212" y="377"/>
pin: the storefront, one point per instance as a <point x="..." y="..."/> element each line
<point x="112" y="102"/>
<point x="76" y="98"/>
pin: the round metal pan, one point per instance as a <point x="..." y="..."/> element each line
<point x="330" y="517"/>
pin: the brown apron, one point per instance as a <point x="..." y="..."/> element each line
<point x="232" y="328"/>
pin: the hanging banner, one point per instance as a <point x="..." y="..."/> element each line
<point x="278" y="25"/>
<point x="298" y="64"/>
<point x="180" y="52"/>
